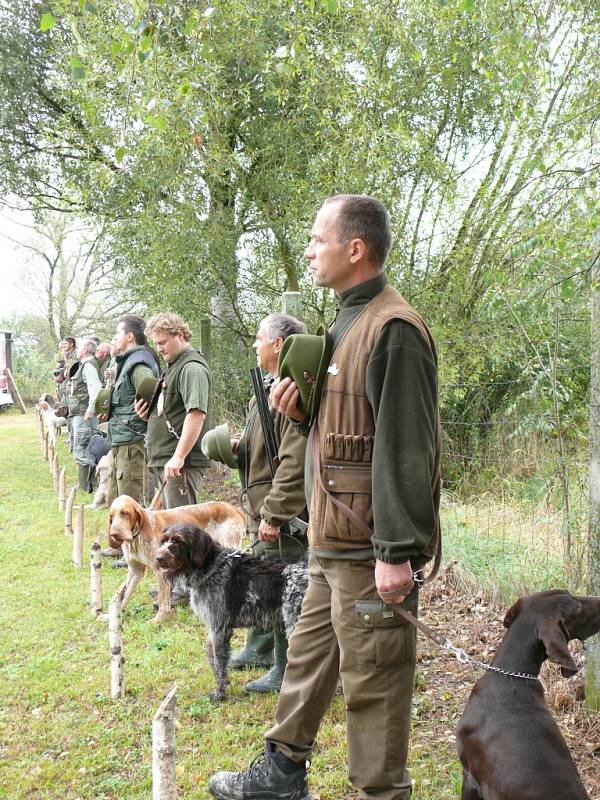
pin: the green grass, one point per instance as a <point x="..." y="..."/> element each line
<point x="61" y="736"/>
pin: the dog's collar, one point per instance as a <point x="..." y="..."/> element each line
<point x="216" y="567"/>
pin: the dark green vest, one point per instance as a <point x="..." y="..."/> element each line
<point x="79" y="397"/>
<point x="161" y="442"/>
<point x="124" y="425"/>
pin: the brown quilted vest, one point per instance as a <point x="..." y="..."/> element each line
<point x="347" y="429"/>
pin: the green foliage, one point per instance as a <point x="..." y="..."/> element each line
<point x="204" y="139"/>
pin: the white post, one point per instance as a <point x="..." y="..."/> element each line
<point x="69" y="511"/>
<point x="115" y="642"/>
<point x="164" y="780"/>
<point x="78" y="537"/>
<point x="62" y="489"/>
<point x="95" y="579"/>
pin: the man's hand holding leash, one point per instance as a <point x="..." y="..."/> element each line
<point x="394" y="581"/>
<point x="267" y="533"/>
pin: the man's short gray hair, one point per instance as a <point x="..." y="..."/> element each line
<point x="283" y="325"/>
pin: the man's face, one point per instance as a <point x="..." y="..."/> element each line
<point x="121" y="341"/>
<point x="267" y="353"/>
<point x="329" y="260"/>
<point x="82" y="351"/>
<point x="168" y="346"/>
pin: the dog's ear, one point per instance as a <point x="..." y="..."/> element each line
<point x="555" y="637"/>
<point x="512" y="613"/>
<point x="143" y="520"/>
<point x="201" y="545"/>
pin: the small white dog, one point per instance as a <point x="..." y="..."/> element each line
<point x="52" y="422"/>
<point x="102" y="470"/>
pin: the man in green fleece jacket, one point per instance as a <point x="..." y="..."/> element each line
<point x="379" y="395"/>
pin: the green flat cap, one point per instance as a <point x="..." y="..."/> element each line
<point x="305" y="358"/>
<point x="149" y="390"/>
<point x="216" y="444"/>
<point x="102" y="401"/>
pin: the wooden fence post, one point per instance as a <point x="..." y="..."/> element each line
<point x="45" y="446"/>
<point x="206" y="347"/>
<point x="78" y="537"/>
<point x="55" y="473"/>
<point x="115" y="642"/>
<point x="62" y="489"/>
<point x="51" y="454"/>
<point x="95" y="579"/>
<point x="164" y="778"/>
<point x="69" y="510"/>
<point x="291" y="303"/>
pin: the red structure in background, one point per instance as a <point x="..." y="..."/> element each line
<point x="5" y="363"/>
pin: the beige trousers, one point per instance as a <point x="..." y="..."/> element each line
<point x="346" y="630"/>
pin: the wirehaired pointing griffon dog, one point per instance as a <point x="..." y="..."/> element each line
<point x="139" y="530"/>
<point x="509" y="745"/>
<point x="229" y="589"/>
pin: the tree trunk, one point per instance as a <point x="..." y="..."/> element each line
<point x="96" y="579"/>
<point x="115" y="642"/>
<point x="69" y="510"/>
<point x="78" y="537"/>
<point x="62" y="490"/>
<point x="592" y="646"/>
<point x="164" y="783"/>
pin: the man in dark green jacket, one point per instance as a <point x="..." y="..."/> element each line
<point x="374" y="519"/>
<point x="125" y="428"/>
<point x="175" y="424"/>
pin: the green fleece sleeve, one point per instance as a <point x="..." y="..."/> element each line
<point x="141" y="371"/>
<point x="402" y="390"/>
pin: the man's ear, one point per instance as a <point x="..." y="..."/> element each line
<point x="555" y="637"/>
<point x="201" y="546"/>
<point x="512" y="613"/>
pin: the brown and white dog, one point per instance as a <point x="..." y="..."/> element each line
<point x="138" y="531"/>
<point x="52" y="421"/>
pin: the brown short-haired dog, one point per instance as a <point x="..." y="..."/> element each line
<point x="509" y="745"/>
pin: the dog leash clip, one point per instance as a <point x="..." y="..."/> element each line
<point x="461" y="656"/>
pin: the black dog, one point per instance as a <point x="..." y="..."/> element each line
<point x="508" y="742"/>
<point x="229" y="589"/>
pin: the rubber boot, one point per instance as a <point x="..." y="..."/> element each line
<point x="258" y="651"/>
<point x="271" y="682"/>
<point x="82" y="477"/>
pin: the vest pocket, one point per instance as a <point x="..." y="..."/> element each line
<point x="351" y="485"/>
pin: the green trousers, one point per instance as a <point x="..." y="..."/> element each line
<point x="129" y="472"/>
<point x="346" y="631"/>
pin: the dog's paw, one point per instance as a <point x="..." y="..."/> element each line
<point x="217" y="695"/>
<point x="102" y="617"/>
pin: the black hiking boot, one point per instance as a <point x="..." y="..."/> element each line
<point x="271" y="776"/>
